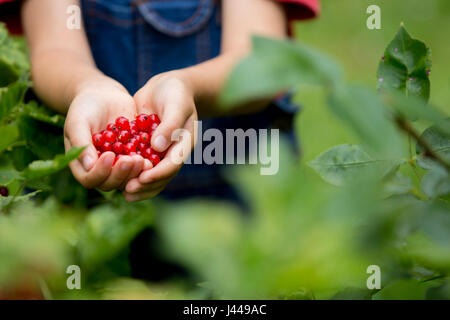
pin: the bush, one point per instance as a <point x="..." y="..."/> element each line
<point x="387" y="203"/>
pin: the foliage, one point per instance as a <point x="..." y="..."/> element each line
<point x="386" y="204"/>
<point x="40" y="235"/>
<point x="305" y="240"/>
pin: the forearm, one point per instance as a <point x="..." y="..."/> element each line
<point x="61" y="61"/>
<point x="67" y="76"/>
<point x="208" y="79"/>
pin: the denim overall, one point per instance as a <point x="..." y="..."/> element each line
<point x="133" y="40"/>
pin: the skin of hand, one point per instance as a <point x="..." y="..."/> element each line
<point x="90" y="111"/>
<point x="170" y="96"/>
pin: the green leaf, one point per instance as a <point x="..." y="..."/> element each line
<point x="13" y="58"/>
<point x="42" y="168"/>
<point x="276" y="66"/>
<point x="363" y="111"/>
<point x="413" y="109"/>
<point x="345" y="163"/>
<point x="108" y="230"/>
<point x="41" y="113"/>
<point x="408" y="289"/>
<point x="398" y="184"/>
<point x="6" y="176"/>
<point x="436" y="182"/>
<point x="43" y="140"/>
<point x="11" y="97"/>
<point x="439" y="144"/>
<point x="405" y="66"/>
<point x="7" y="201"/>
<point x="9" y="134"/>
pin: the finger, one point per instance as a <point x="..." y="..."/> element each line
<point x="141" y="196"/>
<point x="134" y="186"/>
<point x="79" y="134"/>
<point x="98" y="173"/>
<point x="139" y="163"/>
<point x="173" y="118"/>
<point x="173" y="161"/>
<point x="119" y="173"/>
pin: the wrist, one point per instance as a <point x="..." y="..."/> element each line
<point x="93" y="81"/>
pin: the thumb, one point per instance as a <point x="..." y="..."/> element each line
<point x="172" y="119"/>
<point x="78" y="134"/>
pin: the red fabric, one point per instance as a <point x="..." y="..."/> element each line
<point x="301" y="9"/>
<point x="10" y="14"/>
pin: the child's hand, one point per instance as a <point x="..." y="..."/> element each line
<point x="169" y="96"/>
<point x="90" y="111"/>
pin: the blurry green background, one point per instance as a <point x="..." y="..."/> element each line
<point x="305" y="239"/>
<point x="341" y="32"/>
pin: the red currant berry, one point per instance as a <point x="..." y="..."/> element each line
<point x="122" y="124"/>
<point x="134" y="141"/>
<point x="117" y="148"/>
<point x="154" y="158"/>
<point x="147" y="153"/>
<point x="129" y="148"/>
<point x="143" y="122"/>
<point x="99" y="153"/>
<point x="141" y="147"/>
<point x="133" y="125"/>
<point x="4" y="192"/>
<point x="109" y="136"/>
<point x="124" y="136"/>
<point x="107" y="146"/>
<point x="144" y="138"/>
<point x="112" y="127"/>
<point x="98" y="140"/>
<point x="154" y="126"/>
<point x="155" y="119"/>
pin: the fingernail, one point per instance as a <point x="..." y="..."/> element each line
<point x="87" y="162"/>
<point x="161" y="143"/>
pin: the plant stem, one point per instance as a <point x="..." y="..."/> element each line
<point x="429" y="152"/>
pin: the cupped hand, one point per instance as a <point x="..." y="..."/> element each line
<point x="90" y="112"/>
<point x="169" y="96"/>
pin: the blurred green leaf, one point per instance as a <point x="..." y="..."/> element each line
<point x="404" y="66"/>
<point x="408" y="289"/>
<point x="44" y="140"/>
<point x="398" y="183"/>
<point x="11" y="97"/>
<point x="439" y="144"/>
<point x="41" y="113"/>
<point x="6" y="176"/>
<point x="436" y="182"/>
<point x="346" y="163"/>
<point x="42" y="168"/>
<point x="413" y="109"/>
<point x="9" y="134"/>
<point x="7" y="201"/>
<point x="13" y="58"/>
<point x="275" y="66"/>
<point x="108" y="230"/>
<point x="363" y="111"/>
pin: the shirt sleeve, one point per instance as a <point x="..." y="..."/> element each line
<point x="10" y="15"/>
<point x="301" y="9"/>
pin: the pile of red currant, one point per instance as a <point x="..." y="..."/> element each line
<point x="125" y="137"/>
